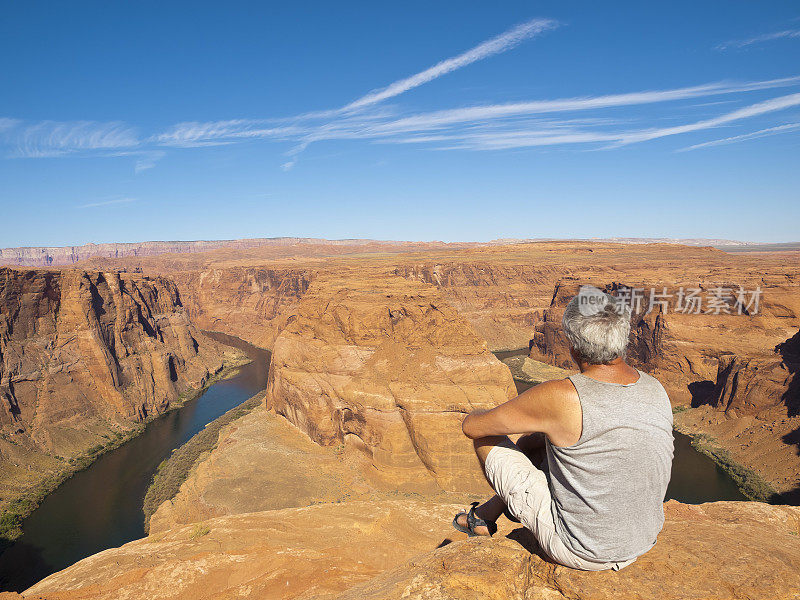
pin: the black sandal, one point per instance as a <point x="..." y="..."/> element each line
<point x="473" y="522"/>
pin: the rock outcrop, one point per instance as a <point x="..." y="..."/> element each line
<point x="84" y="357"/>
<point x="387" y="366"/>
<point x="407" y="549"/>
<point x="753" y="411"/>
<point x="503" y="302"/>
<point x="754" y="386"/>
<point x="532" y="372"/>
<point x="314" y="552"/>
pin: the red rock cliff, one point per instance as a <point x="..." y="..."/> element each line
<point x="84" y="355"/>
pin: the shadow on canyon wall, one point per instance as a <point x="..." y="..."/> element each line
<point x="792" y="496"/>
<point x="703" y="392"/>
<point x="790" y="353"/>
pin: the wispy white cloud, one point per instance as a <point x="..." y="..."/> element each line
<point x="51" y="138"/>
<point x="550" y="133"/>
<point x="760" y="108"/>
<point x="383" y="124"/>
<point x="107" y="202"/>
<point x="788" y="128"/>
<point x="503" y="42"/>
<point x="544" y="122"/>
<point x="759" y="39"/>
<point x="147" y="160"/>
<point x="441" y="118"/>
<point x="496" y="45"/>
<point x="214" y="133"/>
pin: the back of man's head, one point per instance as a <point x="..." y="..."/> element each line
<point x="597" y="326"/>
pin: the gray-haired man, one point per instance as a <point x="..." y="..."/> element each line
<point x="595" y="503"/>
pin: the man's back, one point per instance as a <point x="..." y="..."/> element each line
<point x="608" y="488"/>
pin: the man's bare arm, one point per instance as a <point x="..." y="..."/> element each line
<point x="538" y="409"/>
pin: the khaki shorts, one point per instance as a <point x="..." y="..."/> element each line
<point x="526" y="492"/>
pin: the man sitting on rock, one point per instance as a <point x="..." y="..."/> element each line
<point x="589" y="475"/>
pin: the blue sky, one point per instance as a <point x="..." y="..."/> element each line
<point x="129" y="121"/>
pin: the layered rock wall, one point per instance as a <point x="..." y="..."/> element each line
<point x="85" y="356"/>
<point x="249" y="302"/>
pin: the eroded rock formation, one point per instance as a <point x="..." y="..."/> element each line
<point x="261" y="463"/>
<point x="249" y="302"/>
<point x="389" y="367"/>
<point x="754" y="386"/>
<point x="753" y="411"/>
<point x="84" y="356"/>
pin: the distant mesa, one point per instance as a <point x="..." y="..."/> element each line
<point x="54" y="256"/>
<point x="58" y="256"/>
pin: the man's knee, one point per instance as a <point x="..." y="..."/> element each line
<point x="484" y="445"/>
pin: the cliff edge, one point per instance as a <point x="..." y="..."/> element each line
<point x="407" y="549"/>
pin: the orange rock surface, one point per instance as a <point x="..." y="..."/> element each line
<point x="388" y="549"/>
<point x="262" y="463"/>
<point x="720" y="550"/>
<point x="312" y="552"/>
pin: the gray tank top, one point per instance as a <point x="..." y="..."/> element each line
<point x="609" y="487"/>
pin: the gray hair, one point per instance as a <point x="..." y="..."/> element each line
<point x="597" y="325"/>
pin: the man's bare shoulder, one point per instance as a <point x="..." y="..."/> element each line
<point x="561" y="411"/>
<point x="555" y="389"/>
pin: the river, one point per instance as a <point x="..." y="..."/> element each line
<point x="101" y="507"/>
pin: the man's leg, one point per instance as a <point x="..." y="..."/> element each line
<point x="532" y="445"/>
<point x="494" y="506"/>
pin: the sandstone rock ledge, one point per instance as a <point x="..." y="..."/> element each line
<point x="531" y="371"/>
<point x="361" y="550"/>
<point x="719" y="550"/>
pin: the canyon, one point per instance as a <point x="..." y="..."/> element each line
<point x="222" y="536"/>
<point x="85" y="358"/>
<point x="377" y="353"/>
<point x="388" y="367"/>
<point x="512" y="295"/>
